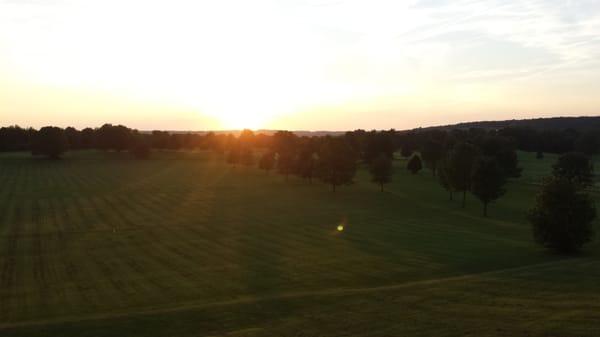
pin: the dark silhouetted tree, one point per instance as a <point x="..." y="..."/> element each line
<point x="50" y="141"/>
<point x="306" y="163"/>
<point x="285" y="163"/>
<point x="539" y="155"/>
<point x="15" y="138"/>
<point x="562" y="216"/>
<point x="88" y="138"/>
<point x="487" y="182"/>
<point x="381" y="170"/>
<point x="414" y="164"/>
<point x="462" y="160"/>
<point x="267" y="161"/>
<point x="432" y="153"/>
<point x="336" y="162"/>
<point x="504" y="150"/>
<point x="378" y="143"/>
<point x="445" y="176"/>
<point x="73" y="138"/>
<point x="408" y="146"/>
<point x="284" y="143"/>
<point x="113" y="137"/>
<point x="576" y="167"/>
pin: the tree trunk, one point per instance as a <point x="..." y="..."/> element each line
<point x="333" y="187"/>
<point x="464" y="200"/>
<point x="485" y="204"/>
<point x="381" y="187"/>
<point x="451" y="196"/>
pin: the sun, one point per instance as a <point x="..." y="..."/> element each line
<point x="242" y="109"/>
<point x="239" y="119"/>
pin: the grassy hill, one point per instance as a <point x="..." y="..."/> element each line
<point x="185" y="245"/>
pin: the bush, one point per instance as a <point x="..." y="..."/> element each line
<point x="414" y="164"/>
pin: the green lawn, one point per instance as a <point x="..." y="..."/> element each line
<point x="182" y="244"/>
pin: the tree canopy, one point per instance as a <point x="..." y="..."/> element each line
<point x="487" y="182"/>
<point x="50" y="141"/>
<point x="432" y="153"/>
<point x="336" y="162"/>
<point x="461" y="163"/>
<point x="381" y="170"/>
<point x="562" y="216"/>
<point x="414" y="164"/>
<point x="575" y="167"/>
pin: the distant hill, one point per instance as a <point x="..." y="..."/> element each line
<point x="263" y="131"/>
<point x="576" y="123"/>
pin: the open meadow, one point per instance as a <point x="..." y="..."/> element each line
<point x="182" y="244"/>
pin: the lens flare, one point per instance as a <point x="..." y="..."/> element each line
<point x="340" y="228"/>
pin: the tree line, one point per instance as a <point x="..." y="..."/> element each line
<point x="475" y="161"/>
<point x="53" y="142"/>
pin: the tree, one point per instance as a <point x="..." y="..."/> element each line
<point x="462" y="160"/>
<point x="285" y="163"/>
<point x="15" y="138"/>
<point x="562" y="216"/>
<point x="381" y="170"/>
<point x="487" y="182"/>
<point x="73" y="138"/>
<point x="336" y="163"/>
<point x="50" y="141"/>
<point x="432" y="153"/>
<point x="378" y="143"/>
<point x="305" y="163"/>
<point x="111" y="137"/>
<point x="445" y="175"/>
<point x="88" y="138"/>
<point x="408" y="148"/>
<point x="414" y="164"/>
<point x="267" y="161"/>
<point x="284" y="143"/>
<point x="504" y="150"/>
<point x="576" y="167"/>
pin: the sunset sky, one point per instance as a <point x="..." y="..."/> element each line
<point x="301" y="65"/>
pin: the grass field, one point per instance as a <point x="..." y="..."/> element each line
<point x="185" y="245"/>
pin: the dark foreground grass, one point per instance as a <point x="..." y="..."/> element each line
<point x="183" y="245"/>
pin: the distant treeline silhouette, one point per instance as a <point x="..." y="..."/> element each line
<point x="120" y="138"/>
<point x="582" y="123"/>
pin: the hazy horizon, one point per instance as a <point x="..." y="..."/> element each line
<point x="297" y="65"/>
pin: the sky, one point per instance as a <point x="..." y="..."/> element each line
<point x="293" y="64"/>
